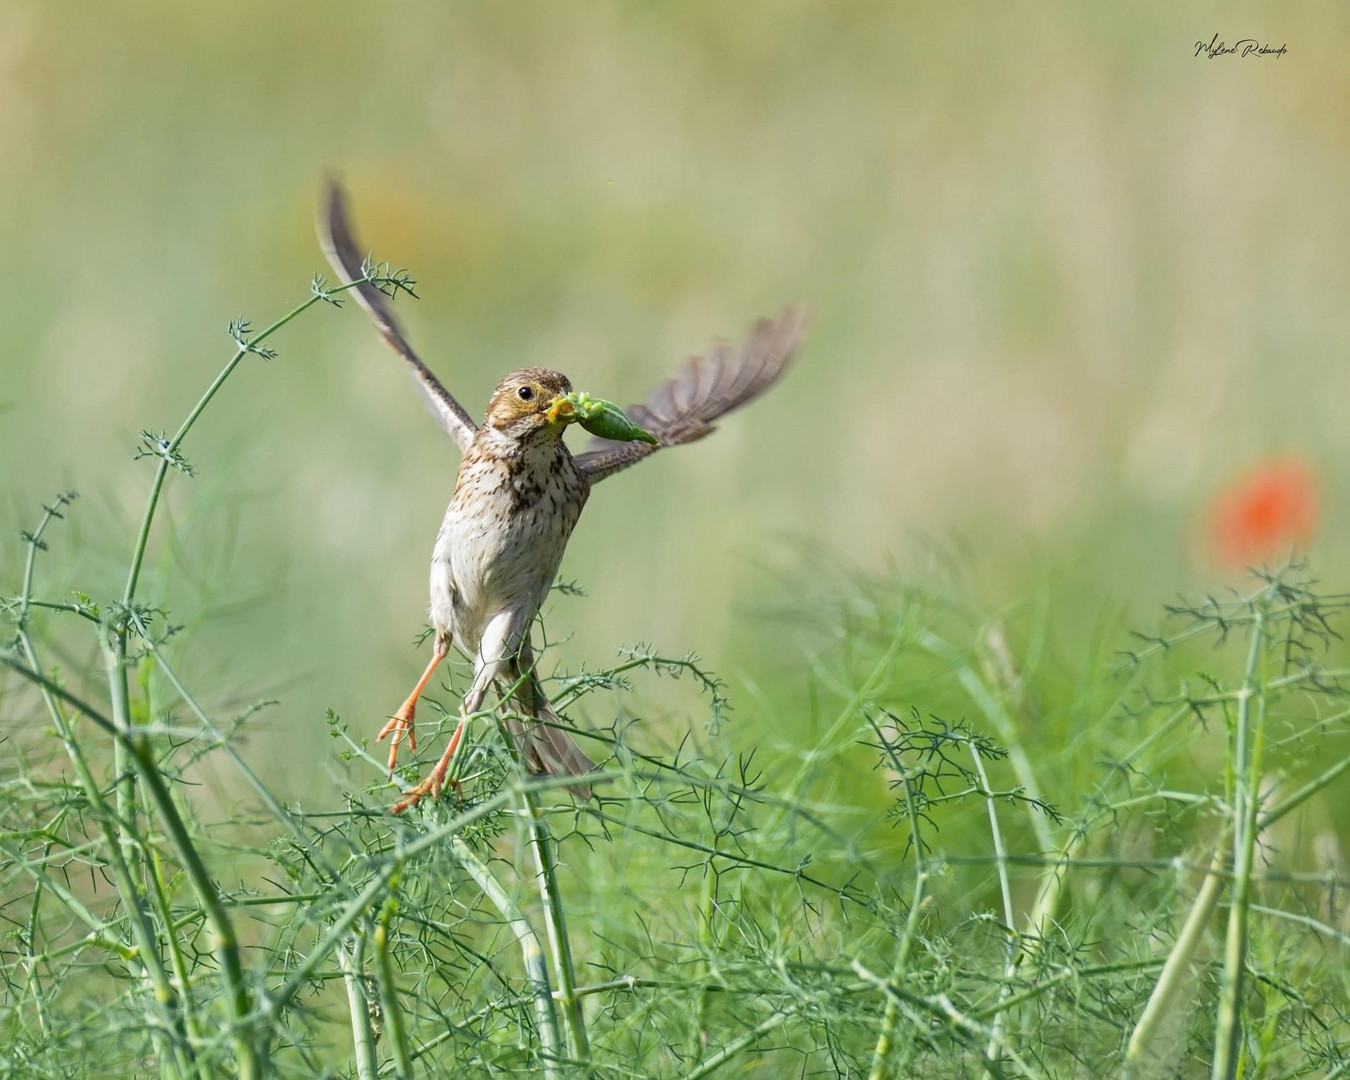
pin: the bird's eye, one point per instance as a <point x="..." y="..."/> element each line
<point x="525" y="393"/>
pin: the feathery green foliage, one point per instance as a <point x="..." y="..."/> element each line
<point x="955" y="861"/>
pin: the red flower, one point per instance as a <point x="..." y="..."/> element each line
<point x="1264" y="514"/>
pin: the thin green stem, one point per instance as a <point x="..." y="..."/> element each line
<point x="1142" y="1053"/>
<point x="890" y="1019"/>
<point x="165" y="456"/>
<point x="388" y="987"/>
<point x="125" y="789"/>
<point x="1005" y="888"/>
<point x="707" y="939"/>
<point x="224" y="942"/>
<point x="536" y="968"/>
<point x="555" y="919"/>
<point x="1045" y="984"/>
<point x="351" y="960"/>
<point x="1302" y="795"/>
<point x="34" y="983"/>
<point x="167" y="452"/>
<point x="1339" y="1071"/>
<point x="76" y="609"/>
<point x="741" y="1042"/>
<point x="1315" y="925"/>
<point x="555" y="915"/>
<point x="1246" y="765"/>
<point x="155" y="874"/>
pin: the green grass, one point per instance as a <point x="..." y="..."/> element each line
<point x="967" y="851"/>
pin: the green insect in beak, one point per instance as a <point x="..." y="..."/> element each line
<point x="602" y="418"/>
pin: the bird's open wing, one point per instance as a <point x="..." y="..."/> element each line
<point x="682" y="409"/>
<point x="335" y="235"/>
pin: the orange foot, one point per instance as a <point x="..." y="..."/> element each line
<point x="400" y="724"/>
<point x="433" y="784"/>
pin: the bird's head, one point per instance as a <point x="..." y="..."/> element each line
<point x="519" y="407"/>
<point x="534" y="405"/>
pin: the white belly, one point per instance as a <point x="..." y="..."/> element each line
<point x="497" y="552"/>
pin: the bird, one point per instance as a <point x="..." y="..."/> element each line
<point x="517" y="497"/>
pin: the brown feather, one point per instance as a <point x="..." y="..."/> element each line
<point x="339" y="244"/>
<point x="683" y="408"/>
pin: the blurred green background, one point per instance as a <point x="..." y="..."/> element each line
<point x="1069" y="282"/>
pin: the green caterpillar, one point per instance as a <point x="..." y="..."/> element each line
<point x="602" y="418"/>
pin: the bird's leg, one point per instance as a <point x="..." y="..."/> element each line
<point x="437" y="778"/>
<point x="402" y="721"/>
<point x="500" y="635"/>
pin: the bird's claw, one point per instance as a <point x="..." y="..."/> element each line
<point x="399" y="725"/>
<point x="438" y="776"/>
<point x="432" y="785"/>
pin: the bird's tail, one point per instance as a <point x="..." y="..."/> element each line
<point x="543" y="747"/>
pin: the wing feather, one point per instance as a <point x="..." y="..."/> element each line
<point x="339" y="244"/>
<point x="682" y="409"/>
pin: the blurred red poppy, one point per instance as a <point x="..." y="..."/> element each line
<point x="1264" y="514"/>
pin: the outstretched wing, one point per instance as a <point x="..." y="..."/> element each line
<point x="335" y="236"/>
<point x="682" y="409"/>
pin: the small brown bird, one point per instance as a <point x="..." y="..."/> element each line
<point x="517" y="498"/>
